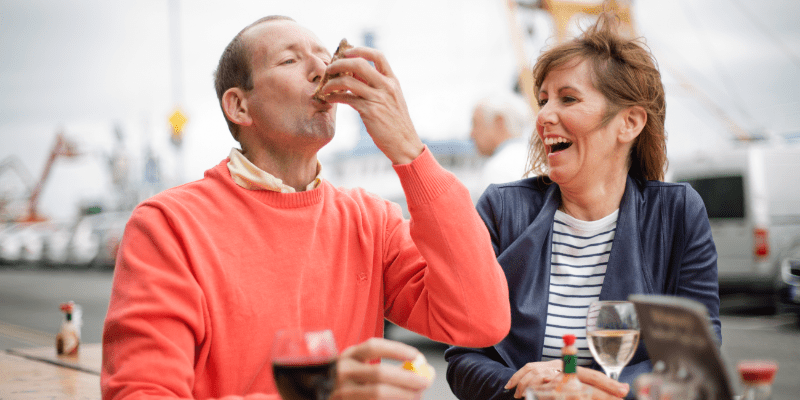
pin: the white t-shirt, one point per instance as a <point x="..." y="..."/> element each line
<point x="577" y="270"/>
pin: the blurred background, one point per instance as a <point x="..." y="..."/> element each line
<point x="105" y="103"/>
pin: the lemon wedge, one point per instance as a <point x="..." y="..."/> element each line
<point x="420" y="366"/>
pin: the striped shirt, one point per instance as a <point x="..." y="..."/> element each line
<point x="577" y="269"/>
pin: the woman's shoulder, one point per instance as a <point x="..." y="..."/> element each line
<point x="679" y="194"/>
<point x="527" y="186"/>
<point x="517" y="202"/>
<point x="516" y="195"/>
<point x="669" y="188"/>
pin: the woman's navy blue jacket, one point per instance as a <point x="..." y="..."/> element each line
<point x="662" y="245"/>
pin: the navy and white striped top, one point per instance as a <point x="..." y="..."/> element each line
<point x="577" y="269"/>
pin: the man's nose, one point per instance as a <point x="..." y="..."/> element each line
<point x="317" y="69"/>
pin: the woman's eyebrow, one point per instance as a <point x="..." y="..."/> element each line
<point x="567" y="87"/>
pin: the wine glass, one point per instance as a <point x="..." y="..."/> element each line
<point x="612" y="331"/>
<point x="304" y="364"/>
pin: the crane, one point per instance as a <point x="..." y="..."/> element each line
<point x="61" y="148"/>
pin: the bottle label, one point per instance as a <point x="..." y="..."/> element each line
<point x="570" y="363"/>
<point x="67" y="343"/>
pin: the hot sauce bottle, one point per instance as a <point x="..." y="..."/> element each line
<point x="69" y="337"/>
<point x="567" y="386"/>
<point x="569" y="365"/>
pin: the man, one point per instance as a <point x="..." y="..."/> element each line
<point x="208" y="271"/>
<point x="501" y="126"/>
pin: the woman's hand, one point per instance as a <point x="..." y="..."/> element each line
<point x="604" y="387"/>
<point x="359" y="377"/>
<point x="536" y="374"/>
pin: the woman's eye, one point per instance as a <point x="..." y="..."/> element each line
<point x="568" y="99"/>
<point x="542" y="102"/>
<point x="289" y="61"/>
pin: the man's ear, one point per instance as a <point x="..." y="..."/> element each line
<point x="634" y="119"/>
<point x="234" y="103"/>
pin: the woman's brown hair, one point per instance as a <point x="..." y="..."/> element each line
<point x="626" y="73"/>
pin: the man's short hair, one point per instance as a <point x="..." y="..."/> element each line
<point x="234" y="69"/>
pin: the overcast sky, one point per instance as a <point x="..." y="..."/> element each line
<point x="86" y="65"/>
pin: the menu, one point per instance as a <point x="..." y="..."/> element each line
<point x="678" y="332"/>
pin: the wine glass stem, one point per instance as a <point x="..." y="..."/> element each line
<point x="614" y="375"/>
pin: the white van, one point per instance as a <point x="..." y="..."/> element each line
<point x="752" y="195"/>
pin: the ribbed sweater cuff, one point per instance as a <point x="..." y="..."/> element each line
<point x="423" y="179"/>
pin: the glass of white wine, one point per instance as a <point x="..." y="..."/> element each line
<point x="612" y="331"/>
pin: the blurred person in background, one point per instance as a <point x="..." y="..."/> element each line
<point x="501" y="127"/>
<point x="208" y="271"/>
<point x="597" y="223"/>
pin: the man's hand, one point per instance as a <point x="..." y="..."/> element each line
<point x="375" y="93"/>
<point x="536" y="374"/>
<point x="360" y="378"/>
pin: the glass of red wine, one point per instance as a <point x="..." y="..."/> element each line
<point x="304" y="364"/>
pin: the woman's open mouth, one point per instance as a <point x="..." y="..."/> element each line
<point x="557" y="144"/>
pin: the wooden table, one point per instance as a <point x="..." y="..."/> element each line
<point x="38" y="373"/>
<point x="88" y="359"/>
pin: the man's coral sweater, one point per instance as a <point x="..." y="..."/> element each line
<point x="208" y="271"/>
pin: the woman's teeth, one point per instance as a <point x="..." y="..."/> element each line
<point x="554" y="140"/>
<point x="557" y="143"/>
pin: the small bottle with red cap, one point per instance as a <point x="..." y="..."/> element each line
<point x="757" y="379"/>
<point x="68" y="338"/>
<point x="565" y="386"/>
<point x="569" y="366"/>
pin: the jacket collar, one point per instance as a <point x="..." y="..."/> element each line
<point x="625" y="273"/>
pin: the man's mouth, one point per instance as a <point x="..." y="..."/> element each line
<point x="557" y="144"/>
<point x="322" y="105"/>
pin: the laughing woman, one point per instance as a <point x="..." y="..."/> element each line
<point x="596" y="223"/>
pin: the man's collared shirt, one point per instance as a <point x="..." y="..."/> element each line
<point x="248" y="176"/>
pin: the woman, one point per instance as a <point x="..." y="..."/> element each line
<point x="596" y="223"/>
